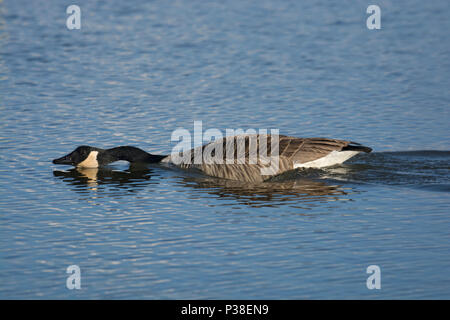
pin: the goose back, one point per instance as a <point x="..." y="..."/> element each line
<point x="242" y="157"/>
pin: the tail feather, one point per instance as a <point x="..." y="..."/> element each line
<point x="356" y="147"/>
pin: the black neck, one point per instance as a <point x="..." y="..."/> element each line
<point x="130" y="154"/>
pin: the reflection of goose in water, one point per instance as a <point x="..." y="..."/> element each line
<point x="132" y="179"/>
<point x="292" y="187"/>
<point x="244" y="158"/>
<point x="267" y="194"/>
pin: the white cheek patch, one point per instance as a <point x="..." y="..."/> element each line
<point x="90" y="161"/>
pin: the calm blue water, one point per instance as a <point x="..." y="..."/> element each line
<point x="137" y="70"/>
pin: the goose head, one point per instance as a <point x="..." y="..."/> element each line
<point x="83" y="157"/>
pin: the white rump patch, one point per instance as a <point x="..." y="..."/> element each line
<point x="166" y="160"/>
<point x="331" y="159"/>
<point x="90" y="161"/>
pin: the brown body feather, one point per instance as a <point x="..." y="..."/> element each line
<point x="291" y="151"/>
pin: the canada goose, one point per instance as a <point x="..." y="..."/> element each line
<point x="292" y="153"/>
